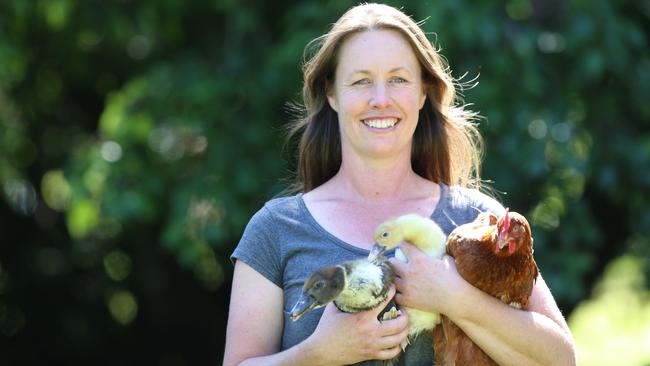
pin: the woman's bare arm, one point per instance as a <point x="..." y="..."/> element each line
<point x="255" y="326"/>
<point x="537" y="336"/>
<point x="255" y="323"/>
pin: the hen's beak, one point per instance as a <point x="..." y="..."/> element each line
<point x="376" y="251"/>
<point x="305" y="304"/>
<point x="502" y="241"/>
<point x="503" y="237"/>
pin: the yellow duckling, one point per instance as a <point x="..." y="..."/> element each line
<point x="427" y="236"/>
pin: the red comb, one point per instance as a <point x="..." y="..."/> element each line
<point x="506" y="223"/>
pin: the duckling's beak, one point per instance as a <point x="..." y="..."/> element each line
<point x="376" y="251"/>
<point x="305" y="304"/>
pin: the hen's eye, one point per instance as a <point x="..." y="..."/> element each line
<point x="384" y="234"/>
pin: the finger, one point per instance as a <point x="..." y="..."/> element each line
<point x="391" y="292"/>
<point x="410" y="250"/>
<point x="448" y="259"/>
<point x="387" y="354"/>
<point x="331" y="309"/>
<point x="399" y="284"/>
<point x="398" y="266"/>
<point x="400" y="299"/>
<point x="394" y="326"/>
<point x="391" y="341"/>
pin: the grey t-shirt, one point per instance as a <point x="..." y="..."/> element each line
<point x="285" y="244"/>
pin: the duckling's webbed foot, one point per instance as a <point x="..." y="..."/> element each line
<point x="391" y="311"/>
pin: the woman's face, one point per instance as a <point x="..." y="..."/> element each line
<point x="377" y="94"/>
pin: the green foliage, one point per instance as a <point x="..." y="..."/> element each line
<point x="612" y="327"/>
<point x="136" y="127"/>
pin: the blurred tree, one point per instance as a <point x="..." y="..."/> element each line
<point x="612" y="328"/>
<point x="137" y="138"/>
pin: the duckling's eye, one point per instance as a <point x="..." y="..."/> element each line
<point x="318" y="285"/>
<point x="385" y="234"/>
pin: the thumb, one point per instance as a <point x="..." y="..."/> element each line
<point x="449" y="262"/>
<point x="410" y="250"/>
<point x="331" y="308"/>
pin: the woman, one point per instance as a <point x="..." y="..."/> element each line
<point x="381" y="137"/>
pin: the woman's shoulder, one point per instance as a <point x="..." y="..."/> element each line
<point x="284" y="203"/>
<point x="459" y="205"/>
<point x="463" y="197"/>
<point x="278" y="217"/>
<point x="280" y="208"/>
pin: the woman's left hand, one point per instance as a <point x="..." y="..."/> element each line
<point x="426" y="283"/>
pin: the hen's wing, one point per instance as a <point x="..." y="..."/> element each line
<point x="509" y="279"/>
<point x="453" y="347"/>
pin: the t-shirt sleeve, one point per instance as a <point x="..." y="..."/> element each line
<point x="463" y="205"/>
<point x="486" y="203"/>
<point x="259" y="247"/>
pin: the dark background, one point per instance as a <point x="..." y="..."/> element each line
<point x="138" y="137"/>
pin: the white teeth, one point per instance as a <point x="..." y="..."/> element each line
<point x="381" y="123"/>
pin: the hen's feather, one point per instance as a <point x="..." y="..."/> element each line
<point x="495" y="256"/>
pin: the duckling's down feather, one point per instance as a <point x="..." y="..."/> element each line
<point x="353" y="286"/>
<point x="427" y="236"/>
<point x="366" y="285"/>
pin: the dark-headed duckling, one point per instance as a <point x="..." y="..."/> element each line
<point x="353" y="286"/>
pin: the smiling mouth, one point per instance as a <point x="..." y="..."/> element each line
<point x="382" y="123"/>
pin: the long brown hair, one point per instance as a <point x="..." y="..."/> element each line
<point x="447" y="147"/>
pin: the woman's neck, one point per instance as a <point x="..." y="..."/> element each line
<point x="376" y="181"/>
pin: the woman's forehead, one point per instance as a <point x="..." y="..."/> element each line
<point x="385" y="49"/>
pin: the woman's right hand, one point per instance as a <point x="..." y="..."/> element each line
<point x="342" y="338"/>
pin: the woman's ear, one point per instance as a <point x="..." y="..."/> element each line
<point x="331" y="96"/>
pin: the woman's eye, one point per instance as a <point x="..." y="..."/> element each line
<point x="399" y="80"/>
<point x="361" y="82"/>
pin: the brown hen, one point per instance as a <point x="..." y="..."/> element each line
<point x="495" y="256"/>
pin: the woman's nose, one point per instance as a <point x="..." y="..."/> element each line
<point x="379" y="97"/>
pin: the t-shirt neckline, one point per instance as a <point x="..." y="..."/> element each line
<point x="444" y="191"/>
